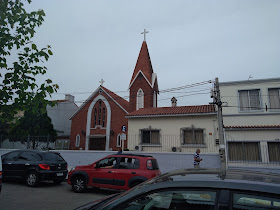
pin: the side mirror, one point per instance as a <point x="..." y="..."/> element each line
<point x="95" y="165"/>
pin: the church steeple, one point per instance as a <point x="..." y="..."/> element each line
<point x="143" y="85"/>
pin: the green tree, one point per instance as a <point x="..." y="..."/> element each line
<point x="19" y="89"/>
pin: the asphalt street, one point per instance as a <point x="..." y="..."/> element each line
<point x="16" y="195"/>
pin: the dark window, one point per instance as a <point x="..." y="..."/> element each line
<point x="99" y="113"/>
<point x="274" y="151"/>
<point x="247" y="201"/>
<point x="29" y="156"/>
<point x="274" y="98"/>
<point x="174" y="200"/>
<point x="52" y="157"/>
<point x="103" y="118"/>
<point x="244" y="151"/>
<point x="95" y="117"/>
<point x="150" y="137"/>
<point x="249" y="100"/>
<point x="129" y="163"/>
<point x="193" y="136"/>
<point x="11" y="156"/>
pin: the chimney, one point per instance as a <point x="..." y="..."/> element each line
<point x="173" y="102"/>
<point x="69" y="98"/>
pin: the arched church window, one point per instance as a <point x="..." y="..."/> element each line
<point x="103" y="117"/>
<point x="140" y="99"/>
<point x="99" y="113"/>
<point x="119" y="143"/>
<point x="95" y="117"/>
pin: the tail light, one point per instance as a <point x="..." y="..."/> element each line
<point x="44" y="166"/>
<point x="149" y="165"/>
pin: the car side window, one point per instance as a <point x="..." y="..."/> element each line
<point x="129" y="163"/>
<point x="11" y="156"/>
<point x="247" y="201"/>
<point x="29" y="156"/>
<point x="174" y="200"/>
<point x="107" y="163"/>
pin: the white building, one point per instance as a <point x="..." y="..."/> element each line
<point x="251" y="117"/>
<point x="174" y="129"/>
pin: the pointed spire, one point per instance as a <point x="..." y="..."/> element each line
<point x="144" y="64"/>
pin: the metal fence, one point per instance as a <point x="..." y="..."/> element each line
<point x="171" y="143"/>
<point x="27" y="142"/>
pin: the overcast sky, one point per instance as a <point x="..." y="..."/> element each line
<point x="188" y="41"/>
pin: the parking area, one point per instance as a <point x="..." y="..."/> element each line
<point x="16" y="195"/>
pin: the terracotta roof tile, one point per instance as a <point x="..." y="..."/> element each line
<point x="253" y="127"/>
<point x="179" y="110"/>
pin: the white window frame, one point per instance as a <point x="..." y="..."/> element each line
<point x="249" y="109"/>
<point x="269" y="97"/>
<point x="140" y="99"/>
<point x="78" y="140"/>
<point x="119" y="140"/>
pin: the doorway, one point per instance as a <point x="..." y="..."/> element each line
<point x="98" y="143"/>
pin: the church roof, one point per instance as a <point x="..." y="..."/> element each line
<point x="144" y="66"/>
<point x="173" y="111"/>
<point x="122" y="103"/>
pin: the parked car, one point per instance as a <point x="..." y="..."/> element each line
<point x="120" y="171"/>
<point x="198" y="189"/>
<point x="34" y="166"/>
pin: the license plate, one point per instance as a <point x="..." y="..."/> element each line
<point x="59" y="174"/>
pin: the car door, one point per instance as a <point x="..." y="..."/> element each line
<point x="8" y="164"/>
<point x="24" y="162"/>
<point x="102" y="175"/>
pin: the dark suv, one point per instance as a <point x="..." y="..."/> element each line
<point x="34" y="166"/>
<point x="121" y="172"/>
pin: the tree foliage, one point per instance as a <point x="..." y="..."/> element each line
<point x="19" y="89"/>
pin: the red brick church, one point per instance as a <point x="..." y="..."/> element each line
<point x="97" y="124"/>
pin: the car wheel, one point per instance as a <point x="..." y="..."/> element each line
<point x="32" y="179"/>
<point x="79" y="184"/>
<point x="58" y="181"/>
<point x="135" y="183"/>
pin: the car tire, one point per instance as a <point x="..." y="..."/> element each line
<point x="58" y="181"/>
<point x="32" y="179"/>
<point x="79" y="184"/>
<point x="135" y="183"/>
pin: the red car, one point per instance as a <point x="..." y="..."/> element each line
<point x="120" y="171"/>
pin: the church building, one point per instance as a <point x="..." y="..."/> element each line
<point x="97" y="124"/>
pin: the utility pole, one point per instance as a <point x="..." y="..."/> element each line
<point x="222" y="150"/>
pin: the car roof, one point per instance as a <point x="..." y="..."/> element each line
<point x="30" y="150"/>
<point x="129" y="154"/>
<point x="232" y="179"/>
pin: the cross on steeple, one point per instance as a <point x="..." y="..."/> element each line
<point x="101" y="82"/>
<point x="145" y="32"/>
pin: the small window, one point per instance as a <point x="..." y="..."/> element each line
<point x="29" y="156"/>
<point x="11" y="156"/>
<point x="140" y="99"/>
<point x="245" y="201"/>
<point x="103" y="118"/>
<point x="150" y="137"/>
<point x="119" y="141"/>
<point x="274" y="98"/>
<point x="51" y="156"/>
<point x="95" y="117"/>
<point x="129" y="163"/>
<point x="249" y="100"/>
<point x="193" y="136"/>
<point x="174" y="200"/>
<point x="107" y="163"/>
<point x="99" y="113"/>
<point x="78" y="138"/>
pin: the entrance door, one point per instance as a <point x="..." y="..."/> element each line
<point x="97" y="143"/>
